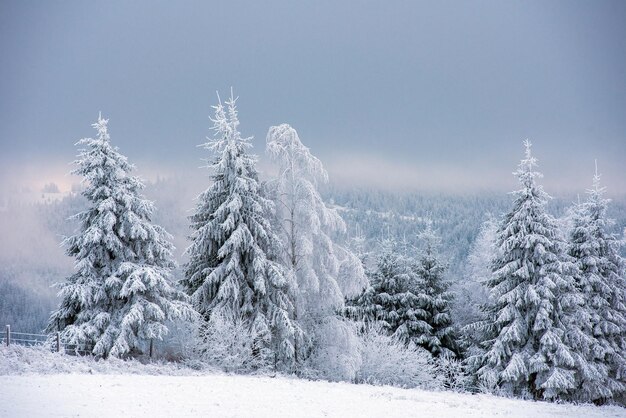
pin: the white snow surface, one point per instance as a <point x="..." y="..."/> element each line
<point x="103" y="389"/>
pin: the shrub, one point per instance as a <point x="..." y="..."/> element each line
<point x="388" y="361"/>
<point x="229" y="344"/>
<point x="452" y="373"/>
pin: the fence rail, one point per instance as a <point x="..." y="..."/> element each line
<point x="29" y="334"/>
<point x="30" y="339"/>
<point x="54" y="342"/>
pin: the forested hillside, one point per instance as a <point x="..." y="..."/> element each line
<point x="32" y="259"/>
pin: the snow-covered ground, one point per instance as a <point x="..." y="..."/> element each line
<point x="53" y="385"/>
<point x="69" y="395"/>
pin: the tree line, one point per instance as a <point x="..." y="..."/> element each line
<point x="266" y="281"/>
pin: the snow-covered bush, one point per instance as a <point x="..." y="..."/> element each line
<point x="388" y="361"/>
<point x="335" y="353"/>
<point x="453" y="374"/>
<point x="229" y="344"/>
<point x="179" y="344"/>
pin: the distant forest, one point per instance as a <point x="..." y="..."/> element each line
<point x="32" y="260"/>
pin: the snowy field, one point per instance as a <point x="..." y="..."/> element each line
<point x="37" y="383"/>
<point x="69" y="395"/>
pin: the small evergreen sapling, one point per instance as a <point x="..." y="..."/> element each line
<point x="435" y="298"/>
<point x="393" y="299"/>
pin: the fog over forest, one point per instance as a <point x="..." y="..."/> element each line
<point x="33" y="259"/>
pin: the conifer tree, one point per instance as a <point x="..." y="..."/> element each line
<point x="392" y="299"/>
<point x="435" y="298"/>
<point x="524" y="352"/>
<point x="233" y="268"/>
<point x="121" y="294"/>
<point x="602" y="283"/>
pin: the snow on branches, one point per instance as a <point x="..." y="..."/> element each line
<point x="121" y="294"/>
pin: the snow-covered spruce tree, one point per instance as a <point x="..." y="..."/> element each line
<point x="524" y="353"/>
<point x="602" y="283"/>
<point x="232" y="268"/>
<point x="121" y="295"/>
<point x="435" y="298"/>
<point x="325" y="271"/>
<point x="393" y="298"/>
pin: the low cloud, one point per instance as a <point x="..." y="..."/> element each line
<point x="560" y="177"/>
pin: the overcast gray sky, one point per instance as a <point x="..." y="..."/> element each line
<point x="387" y="93"/>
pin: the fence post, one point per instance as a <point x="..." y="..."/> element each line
<point x="151" y="347"/>
<point x="8" y="339"/>
<point x="58" y="341"/>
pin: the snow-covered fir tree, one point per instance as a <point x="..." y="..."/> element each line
<point x="435" y="298"/>
<point x="602" y="283"/>
<point x="393" y="298"/>
<point x="233" y="267"/>
<point x="524" y="353"/>
<point x="325" y="271"/>
<point x="121" y="294"/>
